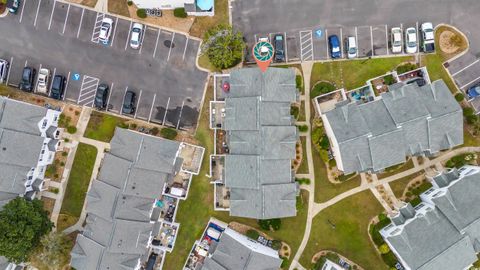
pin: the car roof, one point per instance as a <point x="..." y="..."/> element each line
<point x="137" y="25"/>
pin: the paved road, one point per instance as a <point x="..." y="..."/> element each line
<point x="369" y="20"/>
<point x="64" y="38"/>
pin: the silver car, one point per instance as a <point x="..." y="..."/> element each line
<point x="136" y="36"/>
<point x="3" y="70"/>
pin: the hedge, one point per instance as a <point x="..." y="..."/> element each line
<point x="179" y="13"/>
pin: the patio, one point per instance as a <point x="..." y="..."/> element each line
<point x="217" y="164"/>
<point x="217" y="113"/>
<point x="167" y="207"/>
<point x="166" y="236"/>
<point x="221" y="82"/>
<point x="178" y="185"/>
<point x="222" y="198"/>
<point x="192" y="157"/>
<point x="362" y="94"/>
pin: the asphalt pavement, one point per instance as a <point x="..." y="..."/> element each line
<point x="64" y="38"/>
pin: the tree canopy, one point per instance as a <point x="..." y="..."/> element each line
<point x="22" y="224"/>
<point x="223" y="46"/>
<point x="53" y="252"/>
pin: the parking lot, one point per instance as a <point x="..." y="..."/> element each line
<point x="65" y="39"/>
<point x="311" y="44"/>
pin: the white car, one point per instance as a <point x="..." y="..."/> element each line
<point x="411" y="40"/>
<point x="106" y="30"/>
<point x="351" y="47"/>
<point x="396" y="40"/>
<point x="136" y="35"/>
<point x="42" y="82"/>
<point x="428" y="37"/>
<point x="3" y="70"/>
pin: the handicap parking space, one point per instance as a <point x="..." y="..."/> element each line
<point x="380" y="39"/>
<point x="58" y="17"/>
<point x="320" y="47"/>
<point x="73" y="21"/>
<point x="163" y="47"/>
<point x="122" y="35"/>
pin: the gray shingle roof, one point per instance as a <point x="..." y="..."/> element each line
<point x="234" y="252"/>
<point x="86" y="253"/>
<point x="405" y="121"/>
<point x="3" y="263"/>
<point x="120" y="202"/>
<point x="21" y="117"/>
<point x="261" y="140"/>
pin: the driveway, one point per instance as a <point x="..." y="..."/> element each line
<point x="64" y="38"/>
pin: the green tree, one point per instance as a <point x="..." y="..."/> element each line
<point x="223" y="46"/>
<point x="384" y="249"/>
<point x="53" y="252"/>
<point x="22" y="224"/>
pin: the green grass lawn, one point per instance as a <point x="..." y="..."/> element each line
<point x="354" y="73"/>
<point x="202" y="24"/>
<point x="301" y="114"/>
<point x="304" y="165"/>
<point x="78" y="182"/>
<point x="102" y="126"/>
<point x="436" y="71"/>
<point x="194" y="213"/>
<point x="349" y="237"/>
<point x="324" y="189"/>
<point x="399" y="185"/>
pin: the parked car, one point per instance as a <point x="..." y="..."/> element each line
<point x="101" y="97"/>
<point x="28" y="76"/>
<point x="396" y="40"/>
<point x="411" y="40"/>
<point x="3" y="70"/>
<point x="351" y="46"/>
<point x="42" y="82"/>
<point x="428" y="37"/>
<point x="13" y="6"/>
<point x="58" y="87"/>
<point x="136" y="35"/>
<point x="106" y="30"/>
<point x="279" y="48"/>
<point x="128" y="106"/>
<point x="334" y="45"/>
<point x="473" y="91"/>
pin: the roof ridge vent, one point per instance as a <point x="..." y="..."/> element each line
<point x="345" y="112"/>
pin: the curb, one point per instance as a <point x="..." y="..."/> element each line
<point x="4" y="14"/>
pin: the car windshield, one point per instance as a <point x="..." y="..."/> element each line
<point x="352" y="50"/>
<point x="428" y="30"/>
<point x="136" y="30"/>
<point x="397" y="43"/>
<point x="412" y="44"/>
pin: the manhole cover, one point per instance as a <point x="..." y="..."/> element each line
<point x="169" y="44"/>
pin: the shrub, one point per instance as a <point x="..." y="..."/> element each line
<point x="389" y="259"/>
<point x="142" y="13"/>
<point x="459" y="97"/>
<point x="264" y="224"/>
<point x="155" y="131"/>
<point x="77" y="113"/>
<point x="456" y="40"/>
<point x="168" y="133"/>
<point x="62" y="163"/>
<point x="471" y="119"/>
<point x="299" y="83"/>
<point x="303" y="128"/>
<point x="276" y="244"/>
<point x="66" y="139"/>
<point x="71" y="129"/>
<point x="406" y="67"/>
<point x="130" y="3"/>
<point x="294" y="111"/>
<point x="324" y="142"/>
<point x="55" y="190"/>
<point x="384" y="249"/>
<point x="252" y="234"/>
<point x="133" y="126"/>
<point x="276" y="223"/>
<point x="303" y="181"/>
<point x="468" y="111"/>
<point x="180" y="13"/>
<point x="321" y="88"/>
<point x="284" y="262"/>
<point x="267" y="224"/>
<point x="388" y="79"/>
<point x="122" y="125"/>
<point x="64" y="154"/>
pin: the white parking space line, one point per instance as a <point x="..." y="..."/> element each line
<point x="80" y="24"/>
<point x="36" y="82"/>
<point x="473" y="63"/>
<point x="166" y="110"/>
<point x="386" y="38"/>
<point x="109" y="95"/>
<point x="51" y="14"/>
<point x="467" y="84"/>
<point x="36" y="15"/>
<point x="51" y="80"/>
<point x="326" y="42"/>
<point x="123" y="100"/>
<point x="89" y="85"/>
<point x="286" y="47"/>
<point x="371" y="39"/>
<point x="66" y="86"/>
<point x="418" y="41"/>
<point x="9" y="69"/>
<point x="128" y="36"/>
<point x="185" y="49"/>
<point x="341" y="41"/>
<point x="356" y="39"/>
<point x="151" y="109"/>
<point x="114" y="31"/>
<point x="256" y="39"/>
<point x="66" y="19"/>
<point x="143" y="38"/>
<point x="156" y="43"/>
<point x="26" y="63"/>
<point x="138" y="102"/>
<point x="180" y="116"/>
<point x="21" y="13"/>
<point x="306" y="45"/>
<point x="171" y="45"/>
<point x="97" y="25"/>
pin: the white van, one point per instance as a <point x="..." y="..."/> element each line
<point x="3" y="70"/>
<point x="351" y="47"/>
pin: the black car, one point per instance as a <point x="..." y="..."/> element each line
<point x="128" y="106"/>
<point x="28" y="76"/>
<point x="101" y="96"/>
<point x="279" y="48"/>
<point x="58" y="87"/>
